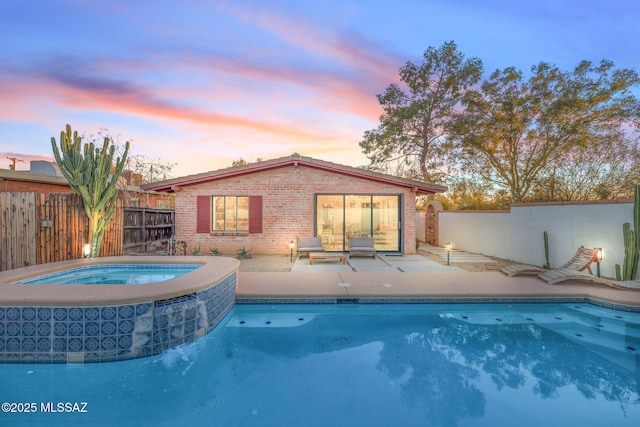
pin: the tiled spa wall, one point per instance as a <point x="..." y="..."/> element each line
<point x="108" y="333"/>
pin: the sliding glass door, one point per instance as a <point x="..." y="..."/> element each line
<point x="341" y="216"/>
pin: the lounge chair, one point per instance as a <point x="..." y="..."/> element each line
<point x="579" y="262"/>
<point x="553" y="277"/>
<point x="361" y="246"/>
<point x="306" y="245"/>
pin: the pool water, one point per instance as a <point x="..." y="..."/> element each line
<point x="362" y="365"/>
<point x="114" y="274"/>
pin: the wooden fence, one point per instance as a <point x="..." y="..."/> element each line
<point x="36" y="230"/>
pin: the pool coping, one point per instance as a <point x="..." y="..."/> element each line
<point x="421" y="287"/>
<point x="213" y="270"/>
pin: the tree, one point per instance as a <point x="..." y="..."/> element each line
<point x="602" y="170"/>
<point x="512" y="129"/>
<point x="412" y="130"/>
<point x="92" y="174"/>
<point x="145" y="168"/>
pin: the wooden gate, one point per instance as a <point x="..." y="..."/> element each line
<point x="17" y="230"/>
<point x="36" y="230"/>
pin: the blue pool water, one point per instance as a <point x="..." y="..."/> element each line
<point x="361" y="365"/>
<point x="114" y="274"/>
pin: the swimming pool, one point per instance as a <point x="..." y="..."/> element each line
<point x="355" y="365"/>
<point x="113" y="274"/>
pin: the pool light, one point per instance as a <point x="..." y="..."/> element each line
<point x="86" y="250"/>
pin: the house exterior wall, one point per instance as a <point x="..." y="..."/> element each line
<point x="288" y="208"/>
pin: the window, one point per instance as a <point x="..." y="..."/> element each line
<point x="230" y="213"/>
<point x="240" y="214"/>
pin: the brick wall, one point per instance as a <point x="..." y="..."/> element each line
<point x="288" y="207"/>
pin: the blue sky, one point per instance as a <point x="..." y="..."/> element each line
<point x="201" y="83"/>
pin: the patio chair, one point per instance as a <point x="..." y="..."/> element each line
<point x="579" y="262"/>
<point x="361" y="246"/>
<point x="306" y="245"/>
<point x="556" y="276"/>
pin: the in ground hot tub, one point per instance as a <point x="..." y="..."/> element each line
<point x="58" y="323"/>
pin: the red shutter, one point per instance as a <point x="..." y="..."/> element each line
<point x="255" y="214"/>
<point x="203" y="214"/>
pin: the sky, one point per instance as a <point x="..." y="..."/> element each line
<point x="200" y="84"/>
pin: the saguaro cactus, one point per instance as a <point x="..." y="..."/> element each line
<point x="631" y="243"/>
<point x="92" y="174"/>
<point x="546" y="249"/>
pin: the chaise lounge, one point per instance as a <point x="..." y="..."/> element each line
<point x="578" y="263"/>
<point x="306" y="245"/>
<point x="361" y="246"/>
<point x="556" y="276"/>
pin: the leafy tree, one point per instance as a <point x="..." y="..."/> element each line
<point x="92" y="174"/>
<point x="513" y="129"/>
<point x="412" y="130"/>
<point x="602" y="170"/>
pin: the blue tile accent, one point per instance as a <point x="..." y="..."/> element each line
<point x="92" y="329"/>
<point x="3" y="345"/>
<point x="125" y="312"/>
<point x="108" y="313"/>
<point x="75" y="330"/>
<point x="13" y="313"/>
<point x="28" y="345"/>
<point x="44" y="344"/>
<point x="12" y="329"/>
<point x="60" y="329"/>
<point x="125" y="326"/>
<point x="2" y="329"/>
<point x="75" y="313"/>
<point x="44" y="314"/>
<point x="28" y="313"/>
<point x="74" y="344"/>
<point x="60" y="314"/>
<point x="44" y="329"/>
<point x="109" y="328"/>
<point x="142" y="309"/>
<point x="91" y="344"/>
<point x="108" y="343"/>
<point x="124" y="342"/>
<point x="60" y="344"/>
<point x="13" y="345"/>
<point x="28" y="329"/>
<point x="2" y="313"/>
<point x="91" y="313"/>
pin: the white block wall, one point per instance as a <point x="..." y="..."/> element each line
<point x="518" y="235"/>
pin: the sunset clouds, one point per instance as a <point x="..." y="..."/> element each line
<point x="202" y="83"/>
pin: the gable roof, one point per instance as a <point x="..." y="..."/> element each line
<point x="295" y="160"/>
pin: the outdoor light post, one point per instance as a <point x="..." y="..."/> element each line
<point x="291" y="251"/>
<point x="598" y="260"/>
<point x="86" y="250"/>
<point x="448" y="246"/>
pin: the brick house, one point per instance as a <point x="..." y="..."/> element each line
<point x="264" y="206"/>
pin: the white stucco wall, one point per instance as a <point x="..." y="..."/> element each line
<point x="518" y="235"/>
